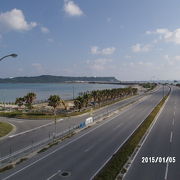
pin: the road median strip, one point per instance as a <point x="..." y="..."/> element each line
<point x="120" y="158"/>
<point x="13" y="163"/>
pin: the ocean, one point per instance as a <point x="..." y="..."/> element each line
<point x="9" y="91"/>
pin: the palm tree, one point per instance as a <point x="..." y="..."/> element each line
<point x="19" y="101"/>
<point x="94" y="95"/>
<point x="79" y="102"/>
<point x="99" y="97"/>
<point x="54" y="101"/>
<point x="86" y="97"/>
<point x="29" y="98"/>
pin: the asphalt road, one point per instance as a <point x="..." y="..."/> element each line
<point x="16" y="142"/>
<point x="85" y="153"/>
<point x="163" y="141"/>
<point x="23" y="125"/>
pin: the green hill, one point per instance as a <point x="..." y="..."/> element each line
<point x="57" y="79"/>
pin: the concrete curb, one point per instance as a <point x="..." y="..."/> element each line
<point x="143" y="140"/>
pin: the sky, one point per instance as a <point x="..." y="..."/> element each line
<point x="127" y="39"/>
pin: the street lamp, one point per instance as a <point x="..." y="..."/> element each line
<point x="12" y="55"/>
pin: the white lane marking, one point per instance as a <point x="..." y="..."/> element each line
<point x="125" y="141"/>
<point x="171" y="136"/>
<point x="173" y="122"/>
<point x="174" y="113"/>
<point x="14" y="135"/>
<point x="155" y="121"/>
<point x="61" y="147"/>
<point x="88" y="149"/>
<point x="70" y="142"/>
<point x="54" y="175"/>
<point x="166" y="172"/>
<point x="118" y="126"/>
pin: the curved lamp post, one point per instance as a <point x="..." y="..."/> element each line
<point x="12" y="55"/>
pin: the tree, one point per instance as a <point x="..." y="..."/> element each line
<point x="19" y="101"/>
<point x="79" y="102"/>
<point x="94" y="94"/>
<point x="86" y="97"/>
<point x="29" y="98"/>
<point x="54" y="101"/>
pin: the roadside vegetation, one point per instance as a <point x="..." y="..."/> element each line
<point x="117" y="162"/>
<point x="56" y="107"/>
<point x="149" y="86"/>
<point x="5" y="128"/>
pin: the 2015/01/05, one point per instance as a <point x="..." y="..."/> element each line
<point x="152" y="159"/>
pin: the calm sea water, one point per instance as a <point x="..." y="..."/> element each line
<point x="9" y="92"/>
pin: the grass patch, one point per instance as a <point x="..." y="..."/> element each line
<point x="43" y="149"/>
<point x="47" y="147"/>
<point x="21" y="160"/>
<point x="39" y="116"/>
<point x="5" y="128"/>
<point x="6" y="168"/>
<point x="115" y="165"/>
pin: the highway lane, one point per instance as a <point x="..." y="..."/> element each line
<point x="87" y="151"/>
<point x="163" y="141"/>
<point x="16" y="143"/>
<point x="23" y="125"/>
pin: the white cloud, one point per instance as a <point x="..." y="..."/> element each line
<point x="141" y="48"/>
<point x="172" y="61"/>
<point x="167" y="35"/>
<point x="44" y="30"/>
<point x="94" y="50"/>
<point x="15" y="20"/>
<point x="50" y="40"/>
<point x="20" y="69"/>
<point x="177" y="58"/>
<point x="38" y="67"/>
<point x="99" y="64"/>
<point x="105" y="51"/>
<point x="148" y="32"/>
<point x="72" y="9"/>
<point x="138" y="64"/>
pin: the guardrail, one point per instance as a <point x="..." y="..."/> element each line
<point x="35" y="146"/>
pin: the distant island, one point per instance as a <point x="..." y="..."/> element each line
<point x="59" y="79"/>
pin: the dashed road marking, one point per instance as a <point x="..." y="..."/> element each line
<point x="166" y="172"/>
<point x="171" y="136"/>
<point x="88" y="149"/>
<point x="118" y="126"/>
<point x="54" y="175"/>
